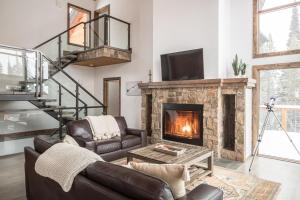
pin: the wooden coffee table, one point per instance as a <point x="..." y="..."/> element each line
<point x="194" y="157"/>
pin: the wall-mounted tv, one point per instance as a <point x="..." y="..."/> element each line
<point x="185" y="65"/>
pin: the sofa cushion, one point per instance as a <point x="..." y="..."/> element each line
<point x="174" y="174"/>
<point x="122" y="124"/>
<point x="80" y="128"/>
<point x="44" y="142"/>
<point x="106" y="146"/>
<point x="130" y="141"/>
<point x="131" y="183"/>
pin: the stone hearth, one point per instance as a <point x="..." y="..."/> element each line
<point x="210" y="93"/>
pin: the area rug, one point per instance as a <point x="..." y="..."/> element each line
<point x="238" y="186"/>
<point x="235" y="185"/>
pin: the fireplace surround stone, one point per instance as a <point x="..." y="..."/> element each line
<point x="209" y="93"/>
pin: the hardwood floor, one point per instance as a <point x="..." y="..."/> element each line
<point x="12" y="179"/>
<point x="12" y="184"/>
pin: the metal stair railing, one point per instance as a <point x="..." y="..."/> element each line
<point x="35" y="81"/>
<point x="90" y="33"/>
<point x="13" y="54"/>
<point x="77" y="85"/>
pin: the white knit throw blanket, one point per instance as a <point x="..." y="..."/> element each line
<point x="103" y="127"/>
<point x="63" y="162"/>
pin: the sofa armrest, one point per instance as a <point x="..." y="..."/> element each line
<point x="204" y="192"/>
<point x="86" y="143"/>
<point x="44" y="142"/>
<point x="139" y="133"/>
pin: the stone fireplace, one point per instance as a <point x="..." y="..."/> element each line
<point x="183" y="123"/>
<point x="222" y="122"/>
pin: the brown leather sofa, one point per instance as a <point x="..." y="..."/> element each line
<point x="111" y="149"/>
<point x="103" y="181"/>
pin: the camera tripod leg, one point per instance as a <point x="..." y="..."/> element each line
<point x="259" y="139"/>
<point x="290" y="139"/>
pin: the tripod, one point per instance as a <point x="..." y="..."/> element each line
<point x="261" y="134"/>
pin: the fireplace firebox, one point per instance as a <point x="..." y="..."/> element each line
<point x="183" y="123"/>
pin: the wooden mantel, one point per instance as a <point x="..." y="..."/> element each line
<point x="247" y="82"/>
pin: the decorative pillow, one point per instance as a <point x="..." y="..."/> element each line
<point x="173" y="174"/>
<point x="69" y="140"/>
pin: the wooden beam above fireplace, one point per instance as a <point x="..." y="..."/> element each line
<point x="247" y="82"/>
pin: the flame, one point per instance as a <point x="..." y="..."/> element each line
<point x="183" y="124"/>
<point x="186" y="128"/>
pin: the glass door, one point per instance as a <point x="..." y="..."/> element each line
<point x="282" y="84"/>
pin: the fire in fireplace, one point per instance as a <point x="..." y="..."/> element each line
<point x="183" y="123"/>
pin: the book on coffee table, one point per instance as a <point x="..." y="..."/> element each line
<point x="169" y="149"/>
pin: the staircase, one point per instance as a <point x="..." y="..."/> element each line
<point x="39" y="77"/>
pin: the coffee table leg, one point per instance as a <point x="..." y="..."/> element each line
<point x="129" y="158"/>
<point x="210" y="162"/>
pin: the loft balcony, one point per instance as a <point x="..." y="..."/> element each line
<point x="102" y="56"/>
<point x="102" y="41"/>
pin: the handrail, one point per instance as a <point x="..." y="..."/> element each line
<point x="88" y="22"/>
<point x="11" y="54"/>
<point x="68" y="90"/>
<point x="81" y="87"/>
<point x="46" y="109"/>
<point x="118" y="19"/>
<point x="16" y="48"/>
<point x="85" y="90"/>
<point x="57" y="35"/>
<point x="284" y="109"/>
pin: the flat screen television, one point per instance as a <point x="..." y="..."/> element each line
<point x="185" y="65"/>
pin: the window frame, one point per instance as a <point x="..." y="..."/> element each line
<point x="256" y="13"/>
<point x="68" y="23"/>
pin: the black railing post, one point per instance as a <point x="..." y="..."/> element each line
<point x="77" y="101"/>
<point x="129" y="47"/>
<point x="84" y="36"/>
<point x="36" y="74"/>
<point x="24" y="58"/>
<point x="60" y="94"/>
<point x="41" y="74"/>
<point x="85" y="110"/>
<point x="60" y="123"/>
<point x="59" y="51"/>
<point x="106" y="30"/>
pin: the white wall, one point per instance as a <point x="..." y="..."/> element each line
<point x="241" y="37"/>
<point x="186" y="25"/>
<point x="139" y="14"/>
<point x="224" y="40"/>
<point x="31" y="22"/>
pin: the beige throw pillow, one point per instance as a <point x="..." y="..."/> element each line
<point x="69" y="140"/>
<point x="173" y="174"/>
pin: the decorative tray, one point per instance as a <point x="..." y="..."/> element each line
<point x="169" y="149"/>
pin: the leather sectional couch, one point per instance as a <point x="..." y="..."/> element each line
<point x="103" y="181"/>
<point x="111" y="149"/>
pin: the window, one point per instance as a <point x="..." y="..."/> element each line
<point x="77" y="15"/>
<point x="276" y="27"/>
